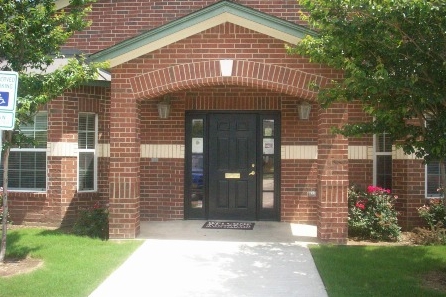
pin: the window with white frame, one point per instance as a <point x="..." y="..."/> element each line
<point x="382" y="161"/>
<point x="433" y="179"/>
<point x="87" y="160"/>
<point x="27" y="163"/>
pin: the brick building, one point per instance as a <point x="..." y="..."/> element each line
<point x="235" y="144"/>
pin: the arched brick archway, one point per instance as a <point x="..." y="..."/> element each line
<point x="276" y="78"/>
<point x="332" y="150"/>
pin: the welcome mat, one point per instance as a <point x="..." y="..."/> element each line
<point x="228" y="225"/>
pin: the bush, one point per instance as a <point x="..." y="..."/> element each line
<point x="434" y="236"/>
<point x="371" y="214"/>
<point x="434" y="214"/>
<point x="92" y="222"/>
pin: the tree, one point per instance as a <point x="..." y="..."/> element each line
<point x="393" y="56"/>
<point x="31" y="35"/>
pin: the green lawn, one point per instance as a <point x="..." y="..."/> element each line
<point x="73" y="266"/>
<point x="378" y="270"/>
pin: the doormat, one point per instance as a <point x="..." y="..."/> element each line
<point x="228" y="225"/>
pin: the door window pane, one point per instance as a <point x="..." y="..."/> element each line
<point x="268" y="128"/>
<point x="268" y="183"/>
<point x="268" y="200"/>
<point x="197" y="128"/>
<point x="268" y="163"/>
<point x="197" y="186"/>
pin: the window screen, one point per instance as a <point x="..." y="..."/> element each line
<point x="27" y="163"/>
<point x="383" y="161"/>
<point x="87" y="131"/>
<point x="433" y="180"/>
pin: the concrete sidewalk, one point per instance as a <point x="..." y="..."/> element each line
<point x="179" y="258"/>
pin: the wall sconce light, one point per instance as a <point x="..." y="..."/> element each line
<point x="304" y="110"/>
<point x="164" y="108"/>
<point x="226" y="67"/>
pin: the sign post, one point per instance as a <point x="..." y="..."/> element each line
<point x="8" y="97"/>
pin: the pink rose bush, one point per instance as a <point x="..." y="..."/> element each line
<point x="371" y="214"/>
<point x="434" y="212"/>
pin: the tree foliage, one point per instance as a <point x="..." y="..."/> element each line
<point x="393" y="55"/>
<point x="32" y="33"/>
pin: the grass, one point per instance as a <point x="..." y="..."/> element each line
<point x="73" y="265"/>
<point x="378" y="270"/>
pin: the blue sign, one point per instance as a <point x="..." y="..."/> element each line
<point x="4" y="98"/>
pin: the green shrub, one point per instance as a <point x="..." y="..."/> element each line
<point x="92" y="222"/>
<point x="371" y="214"/>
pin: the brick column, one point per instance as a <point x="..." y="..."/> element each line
<point x="124" y="164"/>
<point x="408" y="183"/>
<point x="62" y="161"/>
<point x="332" y="175"/>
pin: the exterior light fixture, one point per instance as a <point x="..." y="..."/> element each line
<point x="164" y="108"/>
<point x="226" y="67"/>
<point x="304" y="110"/>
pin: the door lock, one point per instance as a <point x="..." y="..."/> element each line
<point x="252" y="173"/>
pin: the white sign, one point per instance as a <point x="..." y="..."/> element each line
<point x="8" y="97"/>
<point x="197" y="145"/>
<point x="268" y="146"/>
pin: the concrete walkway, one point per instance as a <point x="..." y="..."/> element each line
<point x="179" y="258"/>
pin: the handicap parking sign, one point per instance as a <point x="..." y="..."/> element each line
<point x="4" y="98"/>
<point x="8" y="96"/>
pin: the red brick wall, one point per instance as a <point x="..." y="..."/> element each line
<point x="298" y="177"/>
<point x="60" y="204"/>
<point x="162" y="189"/>
<point x="295" y="131"/>
<point x="360" y="173"/>
<point x="32" y="209"/>
<point x="116" y="21"/>
<point x="226" y="41"/>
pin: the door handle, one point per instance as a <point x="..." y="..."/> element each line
<point x="252" y="173"/>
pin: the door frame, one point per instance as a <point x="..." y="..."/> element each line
<point x="262" y="214"/>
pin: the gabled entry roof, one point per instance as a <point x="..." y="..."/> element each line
<point x="199" y="21"/>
